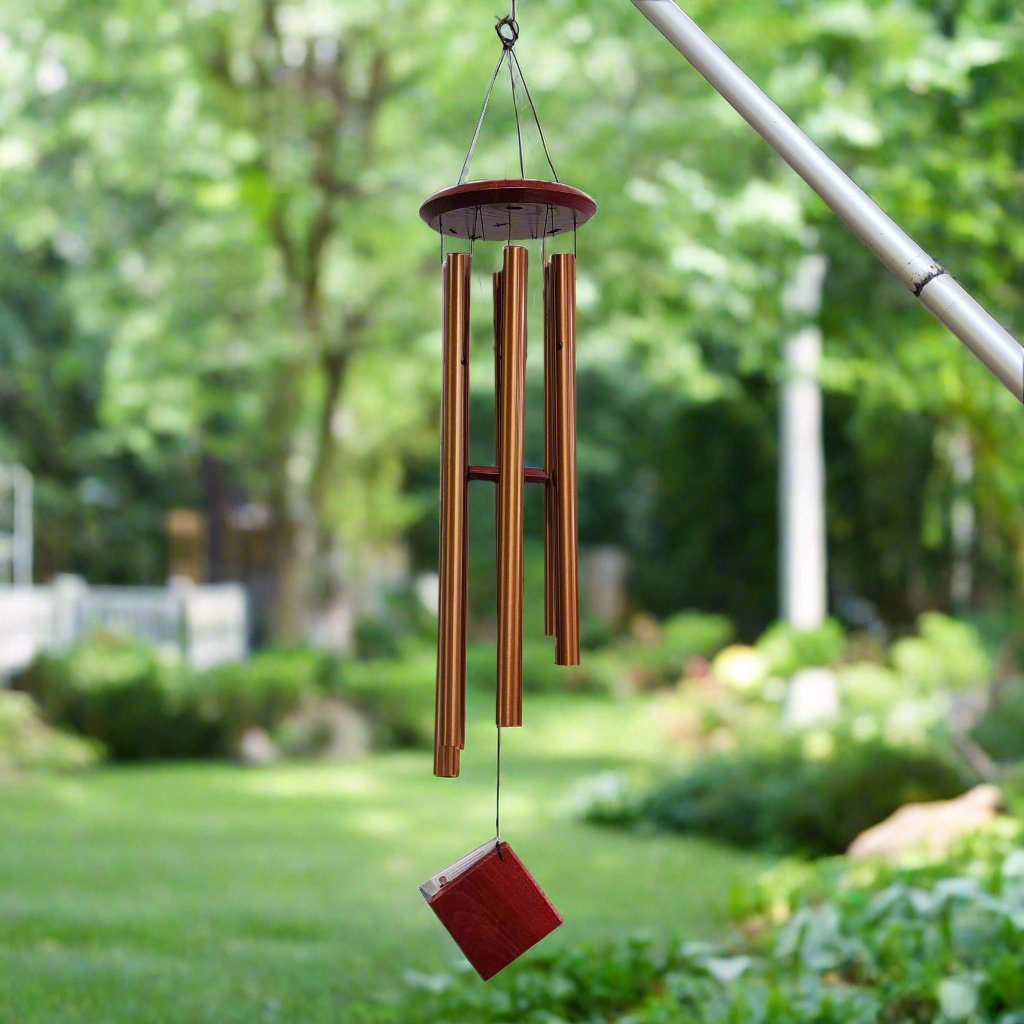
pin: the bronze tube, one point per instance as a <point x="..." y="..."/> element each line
<point x="497" y="410"/>
<point x="550" y="414"/>
<point x="449" y="720"/>
<point x="563" y="326"/>
<point x="510" y="398"/>
<point x="446" y="762"/>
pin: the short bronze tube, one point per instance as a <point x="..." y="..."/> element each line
<point x="446" y="762"/>
<point x="550" y="414"/>
<point x="510" y="397"/>
<point x="449" y="719"/>
<point x="563" y="326"/>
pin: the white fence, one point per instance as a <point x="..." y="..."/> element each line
<point x="206" y="624"/>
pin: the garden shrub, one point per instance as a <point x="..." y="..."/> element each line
<point x="812" y="794"/>
<point x="788" y="649"/>
<point x="27" y="743"/>
<point x="387" y="632"/>
<point x="1000" y="731"/>
<point x="140" y="705"/>
<point x="934" y="944"/>
<point x="396" y="694"/>
<point x="946" y="654"/>
<point x="661" y="658"/>
<point x="596" y="671"/>
<point x="611" y="798"/>
<point x="258" y="692"/>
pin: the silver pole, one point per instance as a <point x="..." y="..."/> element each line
<point x="938" y="291"/>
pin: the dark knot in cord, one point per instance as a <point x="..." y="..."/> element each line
<point x="508" y="31"/>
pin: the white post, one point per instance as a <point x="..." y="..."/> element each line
<point x="938" y="291"/>
<point x="802" y="547"/>
<point x="960" y="450"/>
<point x="68" y="593"/>
<point x="21" y="555"/>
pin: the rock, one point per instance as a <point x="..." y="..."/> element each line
<point x="327" y="729"/>
<point x="255" y="747"/>
<point x="933" y="827"/>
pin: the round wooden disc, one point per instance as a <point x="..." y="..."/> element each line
<point x="516" y="209"/>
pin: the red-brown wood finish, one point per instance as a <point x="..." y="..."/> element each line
<point x="495" y="912"/>
<point x="510" y="210"/>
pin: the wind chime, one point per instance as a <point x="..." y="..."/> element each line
<point x="508" y="210"/>
<point x="508" y="912"/>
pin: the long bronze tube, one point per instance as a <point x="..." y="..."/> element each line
<point x="563" y="326"/>
<point x="497" y="409"/>
<point x="449" y="719"/>
<point x="510" y="401"/>
<point x="550" y="527"/>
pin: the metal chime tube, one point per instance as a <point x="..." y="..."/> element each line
<point x="550" y="412"/>
<point x="510" y="404"/>
<point x="563" y="332"/>
<point x="450" y="708"/>
<point x="497" y="409"/>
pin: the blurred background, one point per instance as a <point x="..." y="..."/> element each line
<point x="801" y="519"/>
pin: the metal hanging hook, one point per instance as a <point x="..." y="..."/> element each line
<point x="508" y="28"/>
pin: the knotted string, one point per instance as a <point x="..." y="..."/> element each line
<point x="507" y="30"/>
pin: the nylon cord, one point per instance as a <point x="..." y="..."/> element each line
<point x="483" y="113"/>
<point x="497" y="800"/>
<point x="508" y="48"/>
<point x="536" y="118"/>
<point x="515" y="107"/>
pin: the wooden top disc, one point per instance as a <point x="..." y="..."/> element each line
<point x="516" y="209"/>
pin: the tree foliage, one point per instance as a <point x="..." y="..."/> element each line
<point x="212" y="259"/>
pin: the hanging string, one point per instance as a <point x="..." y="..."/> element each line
<point x="483" y="113"/>
<point x="515" y="107"/>
<point x="536" y="118"/>
<point x="508" y="32"/>
<point x="497" y="800"/>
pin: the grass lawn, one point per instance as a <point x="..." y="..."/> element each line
<point x="211" y="893"/>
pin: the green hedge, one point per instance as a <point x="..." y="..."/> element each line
<point x="396" y="694"/>
<point x="144" y="707"/>
<point x="790" y="798"/>
<point x="122" y="693"/>
<point x="259" y="692"/>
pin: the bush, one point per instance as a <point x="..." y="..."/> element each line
<point x="945" y="655"/>
<point x="660" y="658"/>
<point x="396" y="694"/>
<point x="788" y="649"/>
<point x="259" y="692"/>
<point x="1000" y="731"/>
<point x="124" y="694"/>
<point x="812" y="795"/>
<point x="849" y="945"/>
<point x="595" y="672"/>
<point x="387" y="632"/>
<point x="612" y="798"/>
<point x="27" y="743"/>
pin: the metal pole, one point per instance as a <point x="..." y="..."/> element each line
<point x="940" y="294"/>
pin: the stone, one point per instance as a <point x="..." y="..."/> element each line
<point x="255" y="747"/>
<point x="328" y="729"/>
<point x="933" y="828"/>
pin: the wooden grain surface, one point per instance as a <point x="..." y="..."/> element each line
<point x="495" y="912"/>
